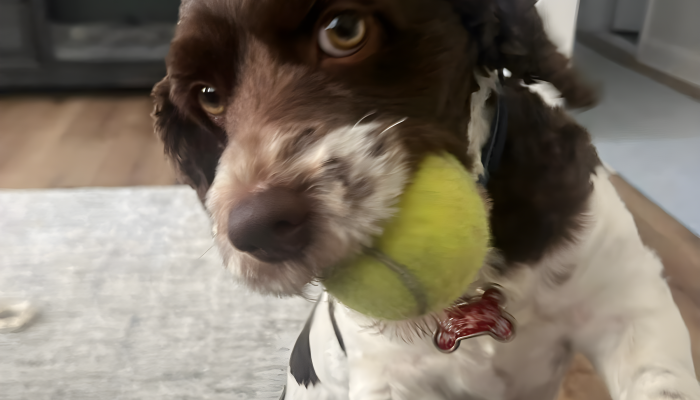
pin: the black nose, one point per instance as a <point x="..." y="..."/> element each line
<point x="272" y="225"/>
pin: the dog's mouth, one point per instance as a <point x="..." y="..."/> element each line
<point x="289" y="209"/>
<point x="282" y="220"/>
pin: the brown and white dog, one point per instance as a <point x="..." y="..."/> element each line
<point x="299" y="123"/>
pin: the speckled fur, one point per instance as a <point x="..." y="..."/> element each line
<point x="339" y="223"/>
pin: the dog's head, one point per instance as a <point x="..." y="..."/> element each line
<point x="299" y="122"/>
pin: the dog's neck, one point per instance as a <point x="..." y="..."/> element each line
<point x="479" y="131"/>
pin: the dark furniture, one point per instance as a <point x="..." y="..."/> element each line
<point x="84" y="44"/>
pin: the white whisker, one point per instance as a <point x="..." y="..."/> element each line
<point x="399" y="122"/>
<point x="363" y="118"/>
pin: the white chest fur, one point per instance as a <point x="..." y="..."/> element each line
<point x="602" y="295"/>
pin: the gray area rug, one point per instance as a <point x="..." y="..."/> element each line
<point x="133" y="302"/>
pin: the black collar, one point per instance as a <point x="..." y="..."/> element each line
<point x="493" y="150"/>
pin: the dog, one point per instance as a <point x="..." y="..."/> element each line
<point x="300" y="122"/>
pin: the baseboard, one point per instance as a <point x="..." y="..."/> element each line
<point x="675" y="60"/>
<point x="624" y="53"/>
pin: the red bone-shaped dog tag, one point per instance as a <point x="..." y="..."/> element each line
<point x="476" y="317"/>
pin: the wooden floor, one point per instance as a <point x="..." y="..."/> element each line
<point x="79" y="140"/>
<point x="107" y="140"/>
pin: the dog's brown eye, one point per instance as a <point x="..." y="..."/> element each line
<point x="210" y="100"/>
<point x="344" y="34"/>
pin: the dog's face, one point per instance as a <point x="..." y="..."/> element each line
<point x="299" y="122"/>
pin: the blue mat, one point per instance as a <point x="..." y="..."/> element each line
<point x="666" y="171"/>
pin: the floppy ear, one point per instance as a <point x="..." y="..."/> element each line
<point x="511" y="35"/>
<point x="193" y="147"/>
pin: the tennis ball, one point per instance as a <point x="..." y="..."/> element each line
<point x="429" y="252"/>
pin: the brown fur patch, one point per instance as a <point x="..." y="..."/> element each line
<point x="542" y="186"/>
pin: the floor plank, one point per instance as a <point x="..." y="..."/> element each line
<point x="71" y="162"/>
<point x="79" y="140"/>
<point x="127" y="153"/>
<point x="28" y="131"/>
<point x="583" y="383"/>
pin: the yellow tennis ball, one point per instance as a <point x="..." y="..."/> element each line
<point x="428" y="254"/>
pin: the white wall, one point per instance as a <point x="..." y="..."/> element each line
<point x="670" y="40"/>
<point x="559" y="17"/>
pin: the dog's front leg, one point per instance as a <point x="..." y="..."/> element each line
<point x="643" y="350"/>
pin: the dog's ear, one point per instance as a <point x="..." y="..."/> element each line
<point x="510" y="34"/>
<point x="192" y="146"/>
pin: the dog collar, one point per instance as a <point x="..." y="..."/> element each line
<point x="493" y="150"/>
<point x="484" y="314"/>
<point x="476" y="316"/>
